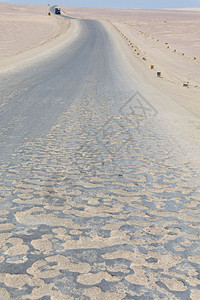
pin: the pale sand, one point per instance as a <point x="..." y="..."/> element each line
<point x="190" y="8"/>
<point x="22" y="27"/>
<point x="19" y="33"/>
<point x="27" y="33"/>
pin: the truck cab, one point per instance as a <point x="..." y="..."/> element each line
<point x="57" y="11"/>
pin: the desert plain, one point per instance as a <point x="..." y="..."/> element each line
<point x="167" y="39"/>
<point x="99" y="153"/>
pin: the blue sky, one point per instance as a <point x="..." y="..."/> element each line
<point x="117" y="3"/>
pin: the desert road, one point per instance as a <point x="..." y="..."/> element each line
<point x="96" y="200"/>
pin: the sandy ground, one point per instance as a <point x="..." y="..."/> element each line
<point x="156" y="31"/>
<point x="151" y="38"/>
<point x="15" y="32"/>
<point x="24" y="28"/>
<point x="96" y="202"/>
<point x="86" y="216"/>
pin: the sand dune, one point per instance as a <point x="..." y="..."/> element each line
<point x="26" y="27"/>
<point x="15" y="32"/>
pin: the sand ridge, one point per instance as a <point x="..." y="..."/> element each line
<point x="28" y="34"/>
<point x="23" y="26"/>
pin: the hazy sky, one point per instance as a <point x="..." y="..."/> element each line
<point x="116" y="3"/>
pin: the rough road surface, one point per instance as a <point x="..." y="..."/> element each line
<point x="96" y="200"/>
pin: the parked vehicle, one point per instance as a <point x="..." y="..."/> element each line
<point x="57" y="11"/>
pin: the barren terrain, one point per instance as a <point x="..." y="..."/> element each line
<point x="170" y="41"/>
<point x="26" y="31"/>
<point x="99" y="158"/>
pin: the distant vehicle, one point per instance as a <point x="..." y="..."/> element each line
<point x="57" y="11"/>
